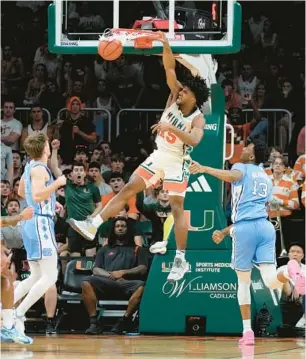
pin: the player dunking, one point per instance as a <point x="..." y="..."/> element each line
<point x="38" y="188"/>
<point x="180" y="129"/>
<point x="253" y="235"/>
<point x="9" y="332"/>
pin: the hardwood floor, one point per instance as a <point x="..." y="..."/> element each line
<point x="152" y="347"/>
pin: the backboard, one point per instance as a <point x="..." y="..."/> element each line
<point x="195" y="27"/>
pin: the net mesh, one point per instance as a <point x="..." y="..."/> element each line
<point x="141" y="38"/>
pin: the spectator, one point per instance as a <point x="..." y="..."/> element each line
<point x="13" y="241"/>
<point x="10" y="127"/>
<point x="75" y="130"/>
<point x="95" y="175"/>
<point x="284" y="198"/>
<point x="106" y="156"/>
<point x="81" y="155"/>
<point x="52" y="99"/>
<point x="50" y="61"/>
<point x="300" y="147"/>
<point x="118" y="274"/>
<point x="12" y="72"/>
<point x="246" y="83"/>
<point x="22" y="201"/>
<point x="126" y="83"/>
<point x="117" y="165"/>
<point x="7" y="169"/>
<point x="82" y="201"/>
<point x="17" y="165"/>
<point x="268" y="38"/>
<point x="37" y="125"/>
<point x="103" y="101"/>
<point x="96" y="156"/>
<point x="64" y="79"/>
<point x="232" y="98"/>
<point x="5" y="192"/>
<point x="157" y="213"/>
<point x="292" y="304"/>
<point x="37" y="85"/>
<point x="274" y="152"/>
<point x="124" y="227"/>
<point x="299" y="169"/>
<point x="116" y="182"/>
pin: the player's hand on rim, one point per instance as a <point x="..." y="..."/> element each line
<point x="162" y="37"/>
<point x="27" y="213"/>
<point x="218" y="236"/>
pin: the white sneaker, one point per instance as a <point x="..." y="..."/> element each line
<point x="85" y="228"/>
<point x="301" y="323"/>
<point x="179" y="268"/>
<point x="159" y="247"/>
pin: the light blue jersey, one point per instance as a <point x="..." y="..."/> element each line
<point x="38" y="232"/>
<point x="46" y="207"/>
<point x="251" y="194"/>
<point x="253" y="235"/>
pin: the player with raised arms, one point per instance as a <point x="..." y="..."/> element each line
<point x="252" y="234"/>
<point x="9" y="332"/>
<point x="180" y="129"/>
<point x="38" y="188"/>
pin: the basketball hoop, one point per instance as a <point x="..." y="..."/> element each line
<point x="143" y="39"/>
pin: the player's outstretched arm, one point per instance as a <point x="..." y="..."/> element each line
<point x="224" y="175"/>
<point x="169" y="65"/>
<point x="26" y="214"/>
<point x="55" y="144"/>
<point x="40" y="191"/>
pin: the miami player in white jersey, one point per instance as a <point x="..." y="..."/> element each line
<point x="38" y="188"/>
<point x="180" y="129"/>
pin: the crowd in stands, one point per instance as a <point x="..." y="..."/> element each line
<point x="264" y="91"/>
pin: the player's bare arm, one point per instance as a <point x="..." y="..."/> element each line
<point x="169" y="65"/>
<point x="55" y="144"/>
<point x="40" y="191"/>
<point x="21" y="188"/>
<point x="218" y="235"/>
<point x="26" y="214"/>
<point x="224" y="175"/>
<point x="191" y="138"/>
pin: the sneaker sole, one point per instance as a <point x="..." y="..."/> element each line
<point x="172" y="280"/>
<point x="86" y="236"/>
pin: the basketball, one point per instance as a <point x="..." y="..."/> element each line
<point x="110" y="50"/>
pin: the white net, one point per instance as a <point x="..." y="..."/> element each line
<point x="124" y="35"/>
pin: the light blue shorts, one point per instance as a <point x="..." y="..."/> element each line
<point x="39" y="237"/>
<point x="253" y="242"/>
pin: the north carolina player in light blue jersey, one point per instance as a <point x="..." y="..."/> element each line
<point x="253" y="235"/>
<point x="38" y="188"/>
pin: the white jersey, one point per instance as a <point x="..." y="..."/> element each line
<point x="31" y="131"/>
<point x="168" y="142"/>
<point x="246" y="88"/>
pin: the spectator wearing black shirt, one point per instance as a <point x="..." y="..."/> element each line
<point x="75" y="130"/>
<point x="118" y="274"/>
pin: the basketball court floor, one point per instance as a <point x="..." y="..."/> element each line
<point x="152" y="347"/>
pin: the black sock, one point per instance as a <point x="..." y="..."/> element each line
<point x="50" y="320"/>
<point x="93" y="319"/>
